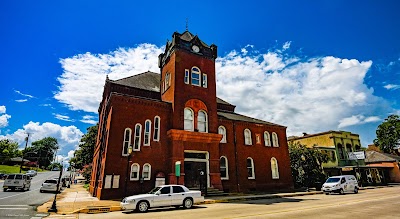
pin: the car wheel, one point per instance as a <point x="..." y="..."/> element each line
<point x="142" y="206"/>
<point x="341" y="192"/>
<point x="41" y="191"/>
<point x="326" y="193"/>
<point x="187" y="203"/>
<point x="355" y="190"/>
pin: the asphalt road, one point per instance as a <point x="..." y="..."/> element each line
<point x="19" y="204"/>
<point x="371" y="203"/>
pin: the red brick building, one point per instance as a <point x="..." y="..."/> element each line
<point x="175" y="117"/>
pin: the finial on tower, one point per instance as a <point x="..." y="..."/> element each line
<point x="187" y="24"/>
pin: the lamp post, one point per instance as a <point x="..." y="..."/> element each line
<point x="22" y="159"/>
<point x="54" y="205"/>
<point x="127" y="169"/>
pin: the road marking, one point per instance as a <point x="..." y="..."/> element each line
<point x="22" y="193"/>
<point x="317" y="207"/>
<point x="14" y="208"/>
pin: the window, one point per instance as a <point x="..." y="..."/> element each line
<point x="165" y="190"/>
<point x="274" y="168"/>
<point x="250" y="168"/>
<point x="341" y="152"/>
<point x="204" y="84"/>
<point x="177" y="189"/>
<point x="135" y="171"/>
<point x="202" y="121"/>
<point x="267" y="140"/>
<point x="146" y="171"/>
<point x="127" y="141"/>
<point x="156" y="136"/>
<point x="196" y="76"/>
<point x="275" y="141"/>
<point x="222" y="131"/>
<point x="147" y="133"/>
<point x="186" y="76"/>
<point x="188" y="117"/>
<point x="333" y="156"/>
<point x="258" y="139"/>
<point x="167" y="81"/>
<point x="247" y="137"/>
<point x="223" y="167"/>
<point x="138" y="133"/>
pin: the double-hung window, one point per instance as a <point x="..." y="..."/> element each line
<point x="135" y="171"/>
<point x="188" y="119"/>
<point x="202" y="121"/>
<point x="247" y="137"/>
<point x="204" y="81"/>
<point x="156" y="135"/>
<point x="187" y="76"/>
<point x="196" y="76"/>
<point x="127" y="141"/>
<point x="147" y="133"/>
<point x="138" y="133"/>
<point x="274" y="168"/>
<point x="146" y="171"/>
<point x="222" y="131"/>
<point x="250" y="168"/>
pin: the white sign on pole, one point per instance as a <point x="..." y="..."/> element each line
<point x="360" y="155"/>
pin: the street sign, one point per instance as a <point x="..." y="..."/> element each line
<point x="360" y="155"/>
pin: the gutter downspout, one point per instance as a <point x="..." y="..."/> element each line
<point x="236" y="157"/>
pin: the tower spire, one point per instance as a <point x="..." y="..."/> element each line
<point x="187" y="24"/>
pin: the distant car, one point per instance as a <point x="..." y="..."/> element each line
<point x="50" y="185"/>
<point x="56" y="169"/>
<point x="166" y="195"/>
<point x="31" y="173"/>
<point x="17" y="181"/>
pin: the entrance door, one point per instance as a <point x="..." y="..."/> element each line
<point x="193" y="179"/>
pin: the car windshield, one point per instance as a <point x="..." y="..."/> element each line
<point x="333" y="179"/>
<point x="18" y="176"/>
<point x="153" y="191"/>
<point x="11" y="176"/>
<point x="51" y="181"/>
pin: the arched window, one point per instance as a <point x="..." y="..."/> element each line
<point x="202" y="121"/>
<point x="223" y="168"/>
<point x="250" y="168"/>
<point x="341" y="151"/>
<point x="188" y="117"/>
<point x="267" y="140"/>
<point x="247" y="137"/>
<point x="138" y="135"/>
<point x="222" y="131"/>
<point x="274" y="168"/>
<point x="196" y="76"/>
<point x="275" y="141"/>
<point x="127" y="141"/>
<point x="147" y="133"/>
<point x="135" y="171"/>
<point x="156" y="135"/>
<point x="146" y="171"/>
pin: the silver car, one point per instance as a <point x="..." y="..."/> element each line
<point x="50" y="185"/>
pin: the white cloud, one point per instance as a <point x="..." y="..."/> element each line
<point x="90" y="70"/>
<point x="357" y="120"/>
<point x="286" y="45"/>
<point x="392" y="86"/>
<point x="3" y="117"/>
<point x="25" y="95"/>
<point x="89" y="119"/>
<point x="21" y="101"/>
<point x="67" y="136"/>
<point x="63" y="117"/>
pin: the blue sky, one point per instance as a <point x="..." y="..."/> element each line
<point x="312" y="66"/>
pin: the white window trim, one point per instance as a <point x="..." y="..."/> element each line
<point x="267" y="140"/>
<point x="252" y="169"/>
<point x="245" y="138"/>
<point x="158" y="130"/>
<point x="199" y="73"/>
<point x="144" y="165"/>
<point x="187" y="76"/>
<point x="275" y="142"/>
<point x="138" y="172"/>
<point x="206" y="122"/>
<point x="192" y="129"/>
<point x="145" y="132"/>
<point x="273" y="169"/>
<point x="223" y="140"/>
<point x="139" y="140"/>
<point x="129" y="142"/>
<point x="226" y="167"/>
<point x="204" y="81"/>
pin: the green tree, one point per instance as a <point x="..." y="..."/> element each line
<point x="84" y="154"/>
<point x="44" y="150"/>
<point x="8" y="149"/>
<point x="388" y="134"/>
<point x="306" y="165"/>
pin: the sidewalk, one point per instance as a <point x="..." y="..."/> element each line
<point x="78" y="200"/>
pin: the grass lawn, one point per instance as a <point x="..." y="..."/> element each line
<point x="12" y="169"/>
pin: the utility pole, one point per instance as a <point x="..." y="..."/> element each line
<point x="22" y="159"/>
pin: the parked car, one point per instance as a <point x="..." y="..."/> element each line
<point x="67" y="181"/>
<point x="3" y="175"/>
<point x="340" y="184"/>
<point x="166" y="195"/>
<point x="17" y="181"/>
<point x="50" y="185"/>
<point x="31" y="173"/>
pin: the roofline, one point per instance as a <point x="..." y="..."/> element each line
<point x="321" y="133"/>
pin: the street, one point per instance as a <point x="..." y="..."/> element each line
<point x="19" y="204"/>
<point x="371" y="203"/>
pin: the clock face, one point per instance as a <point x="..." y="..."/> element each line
<point x="195" y="48"/>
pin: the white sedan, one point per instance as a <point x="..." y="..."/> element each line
<point x="167" y="195"/>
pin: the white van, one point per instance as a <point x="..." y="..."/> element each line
<point x="341" y="184"/>
<point x="17" y="181"/>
